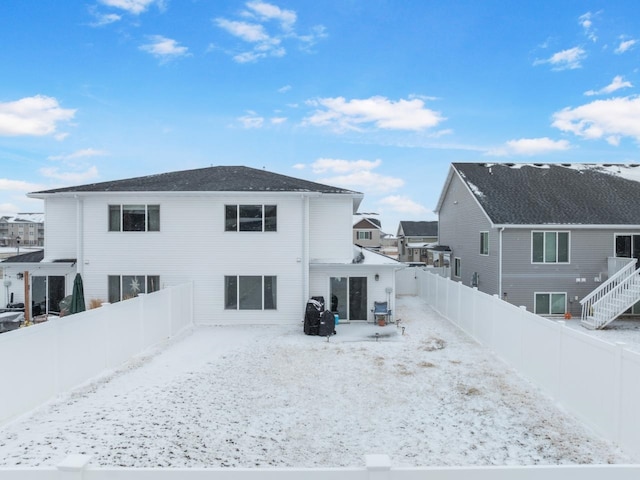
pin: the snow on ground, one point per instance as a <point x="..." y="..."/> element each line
<point x="271" y="396"/>
<point x="625" y="330"/>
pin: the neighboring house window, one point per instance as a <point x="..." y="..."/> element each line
<point x="134" y="218"/>
<point x="550" y="303"/>
<point x="363" y="235"/>
<point x="250" y="292"/>
<point x="250" y="218"/>
<point x="123" y="287"/>
<point x="484" y="243"/>
<point x="550" y="247"/>
<point x="456" y="267"/>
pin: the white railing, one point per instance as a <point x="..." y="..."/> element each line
<point x="588" y="302"/>
<point x="615" y="264"/>
<point x="595" y="380"/>
<point x="43" y="360"/>
<point x="616" y="302"/>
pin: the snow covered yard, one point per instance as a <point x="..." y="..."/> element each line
<point x="271" y="396"/>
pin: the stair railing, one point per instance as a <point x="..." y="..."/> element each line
<point x="611" y="283"/>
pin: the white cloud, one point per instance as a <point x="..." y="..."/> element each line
<point x="266" y="11"/>
<point x="530" y="146"/>
<point x="278" y="120"/>
<point x="355" y="174"/>
<point x="616" y="84"/>
<point x="610" y="119"/>
<point x="284" y="89"/>
<point x="403" y="204"/>
<point x="251" y="120"/>
<point x="587" y="24"/>
<point x="264" y="38"/>
<point x="625" y="46"/>
<point x="35" y="116"/>
<point x="70" y="177"/>
<point x="135" y="7"/>
<point x="164" y="48"/>
<point x="566" y="59"/>
<point x="335" y="165"/>
<point x="342" y="115"/>
<point x="84" y="153"/>
<point x="18" y="185"/>
<point x="103" y="19"/>
<point x="299" y="166"/>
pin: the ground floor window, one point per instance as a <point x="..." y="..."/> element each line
<point x="250" y="292"/>
<point x="550" y="303"/>
<point x="123" y="287"/>
<point x="46" y="294"/>
<point x="349" y="297"/>
<point x="456" y="267"/>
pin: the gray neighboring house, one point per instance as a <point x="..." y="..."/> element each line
<point x="546" y="236"/>
<point x="414" y="239"/>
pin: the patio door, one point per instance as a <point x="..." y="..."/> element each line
<point x="349" y="297"/>
<point x="628" y="246"/>
<point x="46" y="294"/>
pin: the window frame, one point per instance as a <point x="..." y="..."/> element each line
<point x="151" y="219"/>
<point x="457" y="267"/>
<point x="364" y="235"/>
<point x="148" y="283"/>
<point x="234" y="299"/>
<point x="268" y="218"/>
<point x="484" y="242"/>
<point x="550" y="303"/>
<point x="544" y="252"/>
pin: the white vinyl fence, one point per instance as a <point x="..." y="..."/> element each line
<point x="376" y="467"/>
<point x="41" y="361"/>
<point x="597" y="381"/>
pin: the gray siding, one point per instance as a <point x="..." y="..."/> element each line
<point x="460" y="222"/>
<point x="589" y="250"/>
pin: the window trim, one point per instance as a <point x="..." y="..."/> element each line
<point x="237" y="297"/>
<point x="120" y="277"/>
<point x="544" y="241"/>
<point x="535" y="303"/>
<point x="111" y="209"/>
<point x="263" y="221"/>
<point x="484" y="243"/>
<point x="457" y="267"/>
<point x="364" y="235"/>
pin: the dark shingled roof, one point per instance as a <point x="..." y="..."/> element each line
<point x="537" y="194"/>
<point x="419" y="229"/>
<point x="210" y="179"/>
<point x="35" y="257"/>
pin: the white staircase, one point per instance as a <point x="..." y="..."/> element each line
<point x="611" y="299"/>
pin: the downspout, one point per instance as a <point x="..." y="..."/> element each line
<point x="305" y="251"/>
<point x="500" y="292"/>
<point x="79" y="236"/>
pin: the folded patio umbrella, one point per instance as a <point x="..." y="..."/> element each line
<point x="77" y="296"/>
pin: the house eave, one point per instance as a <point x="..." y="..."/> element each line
<point x="566" y="226"/>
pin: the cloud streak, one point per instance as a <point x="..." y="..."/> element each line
<point x="616" y="84"/>
<point x="163" y="48"/>
<point x="343" y="115"/>
<point x="569" y="59"/>
<point x="530" y="146"/>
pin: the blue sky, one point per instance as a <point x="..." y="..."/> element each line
<point x="376" y="96"/>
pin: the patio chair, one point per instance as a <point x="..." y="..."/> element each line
<point x="381" y="312"/>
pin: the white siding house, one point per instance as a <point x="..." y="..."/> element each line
<point x="136" y="235"/>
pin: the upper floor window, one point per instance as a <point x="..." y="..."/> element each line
<point x="134" y="218"/>
<point x="250" y="218"/>
<point x="484" y="243"/>
<point x="363" y="235"/>
<point x="550" y="247"/>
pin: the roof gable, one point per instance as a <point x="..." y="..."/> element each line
<point x="539" y="194"/>
<point x="210" y="179"/>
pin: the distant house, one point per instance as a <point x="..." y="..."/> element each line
<point x="22" y="229"/>
<point x="367" y="232"/>
<point x="546" y="236"/>
<point x="414" y="238"/>
<point x="265" y="244"/>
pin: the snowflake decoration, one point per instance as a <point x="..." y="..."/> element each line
<point x="135" y="285"/>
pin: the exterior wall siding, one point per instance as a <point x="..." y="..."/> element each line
<point x="60" y="229"/>
<point x="330" y="228"/>
<point x="460" y="222"/>
<point x="589" y="250"/>
<point x="178" y="257"/>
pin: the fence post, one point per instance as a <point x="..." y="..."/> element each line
<point x="378" y="467"/>
<point x="72" y="467"/>
<point x="559" y="393"/>
<point x="141" y="316"/>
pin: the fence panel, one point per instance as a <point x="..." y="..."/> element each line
<point x="629" y="418"/>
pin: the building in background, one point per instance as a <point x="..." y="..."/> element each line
<point x="22" y="229"/>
